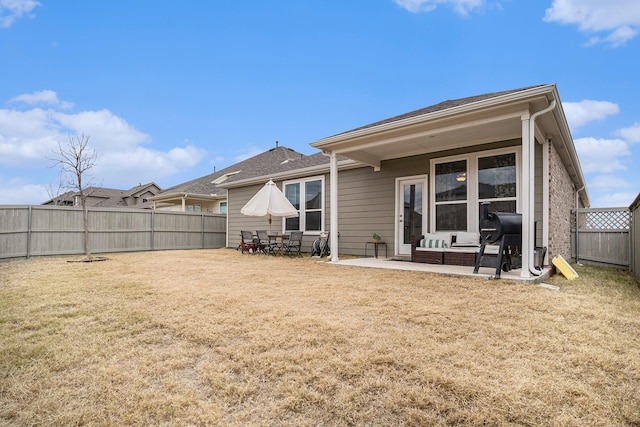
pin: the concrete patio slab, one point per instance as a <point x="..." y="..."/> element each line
<point x="450" y="270"/>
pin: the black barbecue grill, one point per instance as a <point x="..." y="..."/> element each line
<point x="503" y="229"/>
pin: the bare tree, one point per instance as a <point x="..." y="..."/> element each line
<point x="56" y="192"/>
<point x="75" y="159"/>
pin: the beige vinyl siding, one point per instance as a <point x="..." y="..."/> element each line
<point x="366" y="201"/>
<point x="236" y="221"/>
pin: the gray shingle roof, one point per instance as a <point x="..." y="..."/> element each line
<point x="106" y="197"/>
<point x="273" y="160"/>
<point x="442" y="106"/>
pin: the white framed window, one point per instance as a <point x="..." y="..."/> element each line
<point x="307" y="195"/>
<point x="451" y="194"/>
<point x="498" y="182"/>
<point x="461" y="184"/>
<point x="223" y="207"/>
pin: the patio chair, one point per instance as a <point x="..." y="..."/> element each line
<point x="247" y="243"/>
<point x="294" y="244"/>
<point x="265" y="245"/>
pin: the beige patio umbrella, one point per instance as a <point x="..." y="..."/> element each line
<point x="269" y="201"/>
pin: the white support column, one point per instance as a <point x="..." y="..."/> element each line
<point x="333" y="216"/>
<point x="527" y="208"/>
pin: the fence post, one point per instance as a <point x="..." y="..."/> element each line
<point x="153" y="227"/>
<point x="29" y="232"/>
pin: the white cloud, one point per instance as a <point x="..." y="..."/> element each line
<point x="580" y="113"/>
<point x="107" y="131"/>
<point x="125" y="154"/>
<point x="18" y="192"/>
<point x="608" y="182"/>
<point x="127" y="168"/>
<point x="43" y="97"/>
<point x="630" y="134"/>
<point x="618" y="19"/>
<point x="602" y="155"/>
<point x="462" y="7"/>
<point x="623" y="200"/>
<point x="11" y="10"/>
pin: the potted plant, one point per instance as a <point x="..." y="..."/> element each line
<point x="376" y="237"/>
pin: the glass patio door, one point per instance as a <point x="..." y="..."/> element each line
<point x="410" y="211"/>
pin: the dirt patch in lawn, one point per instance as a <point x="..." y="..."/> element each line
<point x="220" y="338"/>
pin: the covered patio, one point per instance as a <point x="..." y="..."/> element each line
<point x="530" y="119"/>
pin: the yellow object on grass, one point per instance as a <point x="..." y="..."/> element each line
<point x="563" y="266"/>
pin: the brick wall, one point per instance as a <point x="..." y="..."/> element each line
<point x="562" y="199"/>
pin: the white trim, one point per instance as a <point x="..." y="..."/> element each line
<point x="526" y="202"/>
<point x="333" y="184"/>
<point x="293" y="174"/>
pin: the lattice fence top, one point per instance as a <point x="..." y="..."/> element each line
<point x="603" y="219"/>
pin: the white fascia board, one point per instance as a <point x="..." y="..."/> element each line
<point x="295" y="173"/>
<point x="453" y="111"/>
<point x="172" y="196"/>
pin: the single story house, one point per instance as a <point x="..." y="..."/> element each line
<point x="430" y="171"/>
<point x="136" y="197"/>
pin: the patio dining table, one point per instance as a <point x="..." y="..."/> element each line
<point x="279" y="239"/>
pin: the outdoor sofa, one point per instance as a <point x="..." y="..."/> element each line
<point x="459" y="248"/>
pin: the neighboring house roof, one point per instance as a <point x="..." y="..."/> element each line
<point x="110" y="197"/>
<point x="65" y="199"/>
<point x="213" y="186"/>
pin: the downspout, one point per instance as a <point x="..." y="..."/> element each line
<point x="578" y="196"/>
<point x="532" y="178"/>
<point x="578" y="224"/>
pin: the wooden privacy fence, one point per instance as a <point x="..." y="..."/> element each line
<point x="602" y="235"/>
<point x="27" y="231"/>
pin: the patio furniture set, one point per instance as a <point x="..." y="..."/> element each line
<point x="263" y="242"/>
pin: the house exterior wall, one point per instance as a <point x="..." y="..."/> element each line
<point x="366" y="202"/>
<point x="561" y="202"/>
<point x="236" y="221"/>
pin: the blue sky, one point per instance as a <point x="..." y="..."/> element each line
<point x="169" y="90"/>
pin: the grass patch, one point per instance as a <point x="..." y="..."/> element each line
<point x="214" y="337"/>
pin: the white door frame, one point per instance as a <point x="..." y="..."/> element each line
<point x="402" y="248"/>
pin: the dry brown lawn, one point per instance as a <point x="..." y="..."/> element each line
<point x="214" y="337"/>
